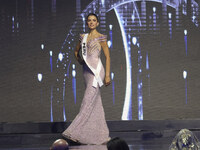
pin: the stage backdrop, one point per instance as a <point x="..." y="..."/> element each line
<point x="155" y="59"/>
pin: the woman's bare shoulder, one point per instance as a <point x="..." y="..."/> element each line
<point x="101" y="35"/>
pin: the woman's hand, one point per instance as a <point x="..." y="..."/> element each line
<point x="107" y="80"/>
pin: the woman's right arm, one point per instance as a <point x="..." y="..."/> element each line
<point x="76" y="53"/>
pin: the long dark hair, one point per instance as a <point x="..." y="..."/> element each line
<point x="92" y="14"/>
<point x="117" y="144"/>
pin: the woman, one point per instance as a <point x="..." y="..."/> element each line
<point x="89" y="126"/>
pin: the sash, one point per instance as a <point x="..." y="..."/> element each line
<point x="97" y="79"/>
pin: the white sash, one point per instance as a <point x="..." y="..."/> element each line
<point x="97" y="79"/>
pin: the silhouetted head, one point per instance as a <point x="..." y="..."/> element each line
<point x="185" y="140"/>
<point x="117" y="144"/>
<point x="60" y="144"/>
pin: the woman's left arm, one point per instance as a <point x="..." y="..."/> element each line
<point x="107" y="55"/>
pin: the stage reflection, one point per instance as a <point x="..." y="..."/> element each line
<point x="93" y="147"/>
<point x="89" y="147"/>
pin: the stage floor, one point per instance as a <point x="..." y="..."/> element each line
<point x="139" y="145"/>
<point x="150" y="144"/>
<point x="140" y="135"/>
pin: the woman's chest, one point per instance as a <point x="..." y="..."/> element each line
<point x="93" y="46"/>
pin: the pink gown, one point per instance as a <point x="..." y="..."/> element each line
<point x="89" y="126"/>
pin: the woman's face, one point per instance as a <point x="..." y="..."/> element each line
<point x="92" y="22"/>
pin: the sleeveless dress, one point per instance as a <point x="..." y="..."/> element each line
<point x="89" y="126"/>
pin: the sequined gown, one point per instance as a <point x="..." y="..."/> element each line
<point x="89" y="126"/>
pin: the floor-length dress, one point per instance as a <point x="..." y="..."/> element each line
<point x="89" y="126"/>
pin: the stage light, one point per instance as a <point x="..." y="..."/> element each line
<point x="42" y="46"/>
<point x="51" y="103"/>
<point x="133" y="17"/>
<point x="50" y="53"/>
<point x="112" y="76"/>
<point x="110" y="26"/>
<point x="83" y="17"/>
<point x="60" y="56"/>
<point x="39" y="77"/>
<point x="193" y="18"/>
<point x="134" y="40"/>
<point x="17" y="24"/>
<point x="147" y="61"/>
<point x="73" y="66"/>
<point x="140" y="102"/>
<point x="170" y="15"/>
<point x="154" y="9"/>
<point x="73" y="73"/>
<point x="103" y="2"/>
<point x="184" y="74"/>
<point x="127" y="110"/>
<point x="109" y="43"/>
<point x="185" y="32"/>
